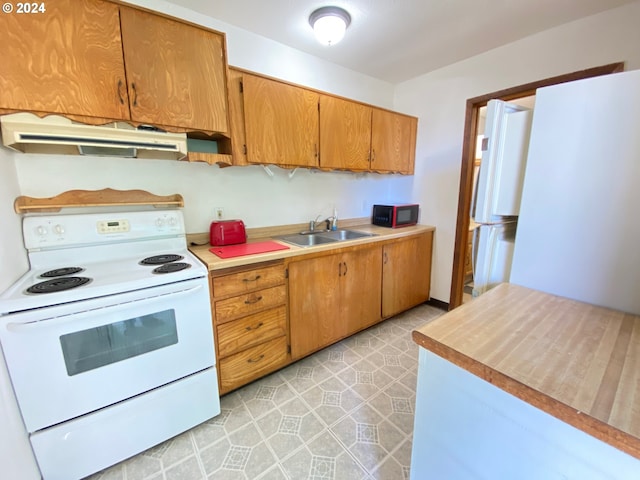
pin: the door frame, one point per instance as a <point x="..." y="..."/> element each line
<point x="468" y="157"/>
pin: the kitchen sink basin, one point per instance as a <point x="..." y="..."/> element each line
<point x="307" y="239"/>
<point x="346" y="234"/>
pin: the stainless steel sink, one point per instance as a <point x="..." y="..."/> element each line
<point x="306" y="239"/>
<point x="347" y="234"/>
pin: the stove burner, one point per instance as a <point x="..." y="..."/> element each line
<point x="58" y="284"/>
<point x="171" y="267"/>
<point x="161" y="259"/>
<point x="60" y="272"/>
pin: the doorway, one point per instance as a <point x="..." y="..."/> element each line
<point x="471" y="130"/>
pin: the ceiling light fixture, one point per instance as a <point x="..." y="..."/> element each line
<point x="329" y="24"/>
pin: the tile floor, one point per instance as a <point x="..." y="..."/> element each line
<point x="345" y="412"/>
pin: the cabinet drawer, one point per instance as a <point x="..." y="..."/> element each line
<point x="251" y="330"/>
<point x="242" y="305"/>
<point x="243" y="282"/>
<point x="243" y="367"/>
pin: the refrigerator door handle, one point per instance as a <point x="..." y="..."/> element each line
<point x="474" y="199"/>
<point x="481" y="278"/>
<point x="474" y="252"/>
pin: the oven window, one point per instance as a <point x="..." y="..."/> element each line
<point x="99" y="346"/>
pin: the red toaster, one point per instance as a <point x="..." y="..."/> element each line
<point x="227" y="232"/>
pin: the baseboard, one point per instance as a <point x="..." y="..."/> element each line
<point x="438" y="304"/>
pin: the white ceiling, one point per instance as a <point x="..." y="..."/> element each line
<point x="395" y="40"/>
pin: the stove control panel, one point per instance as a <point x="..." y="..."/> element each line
<point x="113" y="226"/>
<point x="63" y="231"/>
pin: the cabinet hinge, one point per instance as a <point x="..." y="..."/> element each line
<point x="244" y="148"/>
<point x="241" y="87"/>
<point x="288" y="348"/>
<point x="286" y="273"/>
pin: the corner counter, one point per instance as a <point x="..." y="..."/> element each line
<point x="528" y="370"/>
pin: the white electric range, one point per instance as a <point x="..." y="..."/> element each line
<point x="108" y="336"/>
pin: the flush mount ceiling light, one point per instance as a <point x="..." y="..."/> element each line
<point x="329" y="24"/>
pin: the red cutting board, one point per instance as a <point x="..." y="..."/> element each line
<point x="242" y="249"/>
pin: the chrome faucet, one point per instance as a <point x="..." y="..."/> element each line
<point x="314" y="223"/>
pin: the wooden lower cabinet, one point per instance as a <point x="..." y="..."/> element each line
<point x="406" y="273"/>
<point x="248" y="365"/>
<point x="333" y="296"/>
<point x="249" y="307"/>
<point x="268" y="315"/>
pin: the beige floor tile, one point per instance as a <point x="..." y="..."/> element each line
<point x="345" y="412"/>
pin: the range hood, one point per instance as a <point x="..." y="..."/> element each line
<point x="28" y="133"/>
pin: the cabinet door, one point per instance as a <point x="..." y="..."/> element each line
<point x="236" y="118"/>
<point x="345" y="134"/>
<point x="66" y="60"/>
<point x="281" y="123"/>
<point x="393" y="142"/>
<point x="176" y="72"/>
<point x="360" y="288"/>
<point x="315" y="318"/>
<point x="406" y="274"/>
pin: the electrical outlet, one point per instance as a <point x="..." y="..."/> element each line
<point x="219" y="213"/>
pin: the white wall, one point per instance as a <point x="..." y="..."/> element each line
<point x="439" y="100"/>
<point x="13" y="257"/>
<point x="247" y="193"/>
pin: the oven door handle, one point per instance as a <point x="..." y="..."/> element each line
<point x="17" y="327"/>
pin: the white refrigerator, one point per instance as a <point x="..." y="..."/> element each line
<point x="498" y="190"/>
<point x="579" y="224"/>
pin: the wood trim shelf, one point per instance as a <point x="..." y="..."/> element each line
<point x="210" y="158"/>
<point x="95" y="198"/>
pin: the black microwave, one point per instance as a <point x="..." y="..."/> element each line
<point x="394" y="216"/>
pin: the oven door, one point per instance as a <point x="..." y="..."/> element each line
<point x="68" y="360"/>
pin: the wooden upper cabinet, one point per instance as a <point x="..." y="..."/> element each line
<point x="67" y="60"/>
<point x="281" y="123"/>
<point x="393" y="142"/>
<point x="71" y="59"/>
<point x="345" y="134"/>
<point x="175" y="72"/>
<point x="236" y="117"/>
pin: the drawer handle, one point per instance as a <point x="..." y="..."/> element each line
<point x="249" y="328"/>
<point x="257" y="277"/>
<point x="252" y="300"/>
<point x="256" y="360"/>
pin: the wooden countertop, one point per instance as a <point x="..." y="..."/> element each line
<point x="577" y="362"/>
<point x="381" y="233"/>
